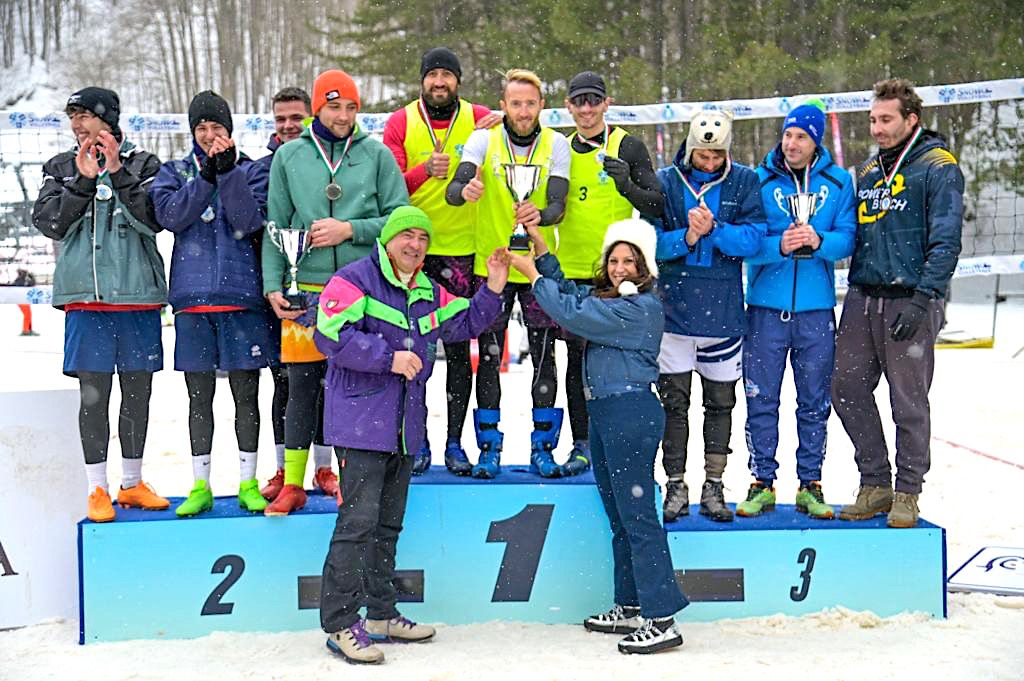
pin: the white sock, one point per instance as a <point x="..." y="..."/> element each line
<point x="322" y="455"/>
<point x="279" y="450"/>
<point x="247" y="465"/>
<point x="131" y="472"/>
<point x="96" y="474"/>
<point x="201" y="467"/>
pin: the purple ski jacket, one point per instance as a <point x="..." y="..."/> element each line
<point x="365" y="315"/>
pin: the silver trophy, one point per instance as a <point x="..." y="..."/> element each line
<point x="291" y="243"/>
<point x="801" y="208"/>
<point x="522" y="180"/>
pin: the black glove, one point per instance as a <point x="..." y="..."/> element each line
<point x="208" y="170"/>
<point x="618" y="170"/>
<point x="224" y="161"/>
<point x="909" y="320"/>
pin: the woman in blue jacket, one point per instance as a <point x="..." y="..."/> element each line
<point x="622" y="320"/>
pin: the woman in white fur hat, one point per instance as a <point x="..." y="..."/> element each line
<point x="622" y="319"/>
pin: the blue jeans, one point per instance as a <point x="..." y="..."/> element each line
<point x="624" y="434"/>
<point x="808" y="339"/>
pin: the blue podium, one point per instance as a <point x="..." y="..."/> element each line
<point x="515" y="548"/>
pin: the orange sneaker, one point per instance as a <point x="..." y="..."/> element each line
<point x="141" y="496"/>
<point x="326" y="481"/>
<point x="291" y="498"/>
<point x="100" y="508"/>
<point x="273" y="486"/>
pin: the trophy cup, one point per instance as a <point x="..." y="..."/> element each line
<point x="522" y="180"/>
<point x="801" y="208"/>
<point x="290" y="242"/>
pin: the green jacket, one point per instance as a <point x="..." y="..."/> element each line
<point x="372" y="187"/>
<point x="107" y="249"/>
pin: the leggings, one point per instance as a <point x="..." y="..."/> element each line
<point x="303" y="419"/>
<point x="280" y="402"/>
<point x="94" y="419"/>
<point x="542" y="352"/>
<point x="459" y="385"/>
<point x="245" y="387"/>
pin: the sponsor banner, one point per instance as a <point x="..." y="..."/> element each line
<point x="644" y="114"/>
<point x="967" y="267"/>
<point x="993" y="569"/>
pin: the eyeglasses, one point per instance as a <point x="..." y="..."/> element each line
<point x="587" y="98"/>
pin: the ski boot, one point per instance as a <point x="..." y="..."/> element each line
<point x="455" y="458"/>
<point x="547" y="425"/>
<point x="488" y="439"/>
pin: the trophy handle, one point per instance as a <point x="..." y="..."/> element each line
<point x="275" y="235"/>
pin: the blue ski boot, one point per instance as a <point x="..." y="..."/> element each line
<point x="579" y="459"/>
<point x="547" y="426"/>
<point x="421" y="459"/>
<point x="488" y="439"/>
<point x="455" y="458"/>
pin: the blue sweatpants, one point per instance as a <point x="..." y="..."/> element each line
<point x="809" y="340"/>
<point x="624" y="434"/>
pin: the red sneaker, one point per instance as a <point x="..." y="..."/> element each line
<point x="274" y="485"/>
<point x="326" y="481"/>
<point x="291" y="498"/>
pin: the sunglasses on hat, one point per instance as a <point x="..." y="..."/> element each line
<point x="587" y="98"/>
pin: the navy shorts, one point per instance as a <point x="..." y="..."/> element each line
<point x="533" y="315"/>
<point x="109" y="342"/>
<point x="229" y="341"/>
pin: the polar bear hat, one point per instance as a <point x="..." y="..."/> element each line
<point x="709" y="129"/>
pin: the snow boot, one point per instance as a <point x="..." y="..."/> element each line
<point x="677" y="500"/>
<point x="488" y="439"/>
<point x="712" y="502"/>
<point x="455" y="459"/>
<point x="870" y="502"/>
<point x="579" y="459"/>
<point x="421" y="459"/>
<point x="904" y="511"/>
<point x="547" y="426"/>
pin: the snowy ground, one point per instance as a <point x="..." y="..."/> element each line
<point x="976" y="413"/>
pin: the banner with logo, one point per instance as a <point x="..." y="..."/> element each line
<point x="994" y="570"/>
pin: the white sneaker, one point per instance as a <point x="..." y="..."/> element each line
<point x="652" y="636"/>
<point x="398" y="630"/>
<point x="354" y="645"/>
<point x="621" y="619"/>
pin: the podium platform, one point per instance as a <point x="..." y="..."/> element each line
<point x="516" y="548"/>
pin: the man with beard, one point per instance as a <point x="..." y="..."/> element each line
<point x="425" y="137"/>
<point x="291" y="107"/>
<point x="480" y="178"/>
<point x="909" y="220"/>
<point x="611" y="174"/>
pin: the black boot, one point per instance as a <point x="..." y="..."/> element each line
<point x="712" y="502"/>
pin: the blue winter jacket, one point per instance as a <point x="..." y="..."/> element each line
<point x="908" y="234"/>
<point x="702" y="287"/>
<point x="623" y="334"/>
<point x="213" y="263"/>
<point x="781" y="282"/>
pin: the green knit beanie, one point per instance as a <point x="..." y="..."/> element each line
<point x="403" y="218"/>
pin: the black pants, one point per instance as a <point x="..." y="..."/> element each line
<point x="360" y="564"/>
<point x="94" y="413"/>
<point x="719" y="400"/>
<point x="303" y="419"/>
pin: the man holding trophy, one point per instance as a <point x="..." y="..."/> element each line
<point x="331" y="191"/>
<point x="518" y="174"/>
<point x="809" y="204"/>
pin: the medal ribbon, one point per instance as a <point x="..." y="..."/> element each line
<point x="333" y="167"/>
<point x="529" y="152"/>
<point x="699" y="195"/>
<point x="890" y="176"/>
<point x="805" y="186"/>
<point x="430" y="127"/>
<point x="595" y="145"/>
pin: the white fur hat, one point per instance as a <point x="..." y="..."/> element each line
<point x="709" y="129"/>
<point x="637" y="232"/>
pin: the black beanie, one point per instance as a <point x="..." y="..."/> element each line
<point x="440" y="58"/>
<point x="210" y="107"/>
<point x="102" y="103"/>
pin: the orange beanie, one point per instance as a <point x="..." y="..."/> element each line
<point x="333" y="84"/>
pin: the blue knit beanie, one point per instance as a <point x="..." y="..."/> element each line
<point x="808" y="117"/>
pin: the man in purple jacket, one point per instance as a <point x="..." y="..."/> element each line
<point x="378" y="323"/>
